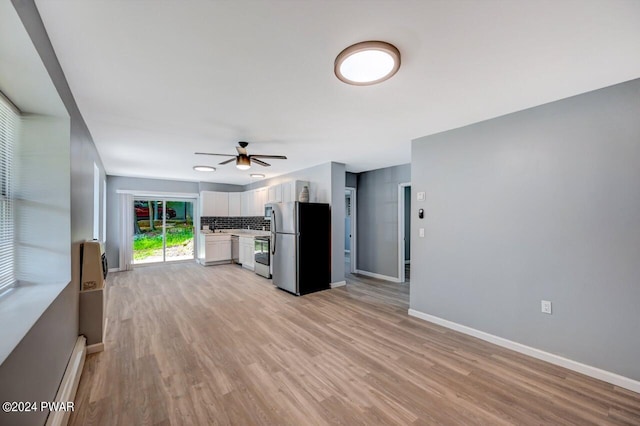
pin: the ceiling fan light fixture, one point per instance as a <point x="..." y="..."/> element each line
<point x="204" y="169"/>
<point x="367" y="63"/>
<point x="243" y="162"/>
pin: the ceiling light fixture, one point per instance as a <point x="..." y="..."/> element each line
<point x="243" y="162"/>
<point x="204" y="168"/>
<point x="366" y="63"/>
<point x="257" y="175"/>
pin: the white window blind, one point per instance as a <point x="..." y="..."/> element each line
<point x="9" y="122"/>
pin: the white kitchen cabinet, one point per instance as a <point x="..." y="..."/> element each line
<point x="291" y="190"/>
<point x="259" y="200"/>
<point x="206" y="203"/>
<point x="275" y="194"/>
<point x="235" y="208"/>
<point x="246" y="253"/>
<point x="246" y="204"/>
<point x="214" y="248"/>
<point x="221" y="204"/>
<point x="214" y="203"/>
<point x="287" y="192"/>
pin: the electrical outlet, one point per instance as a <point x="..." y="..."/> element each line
<point x="545" y="307"/>
<point x="421" y="231"/>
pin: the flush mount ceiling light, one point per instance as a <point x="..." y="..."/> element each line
<point x="257" y="175"/>
<point x="204" y="168"/>
<point x="366" y="63"/>
<point x="243" y="162"/>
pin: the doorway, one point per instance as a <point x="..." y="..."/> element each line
<point x="350" y="230"/>
<point x="404" y="232"/>
<point x="163" y="230"/>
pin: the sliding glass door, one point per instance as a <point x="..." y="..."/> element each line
<point x="179" y="231"/>
<point x="163" y="230"/>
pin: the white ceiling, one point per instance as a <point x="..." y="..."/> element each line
<point x="157" y="81"/>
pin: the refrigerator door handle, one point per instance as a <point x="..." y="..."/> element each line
<point x="273" y="232"/>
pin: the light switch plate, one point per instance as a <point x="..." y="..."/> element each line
<point x="420" y="196"/>
<point x="421" y="232"/>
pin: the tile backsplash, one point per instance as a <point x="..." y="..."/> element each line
<point x="257" y="223"/>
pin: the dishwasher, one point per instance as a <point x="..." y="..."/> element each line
<point x="235" y="249"/>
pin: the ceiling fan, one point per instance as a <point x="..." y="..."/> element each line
<point x="244" y="160"/>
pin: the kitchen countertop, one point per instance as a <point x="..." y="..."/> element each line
<point x="238" y="232"/>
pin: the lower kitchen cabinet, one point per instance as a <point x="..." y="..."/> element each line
<point x="246" y="255"/>
<point x="216" y="249"/>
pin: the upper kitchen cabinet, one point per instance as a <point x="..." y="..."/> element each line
<point x="275" y="194"/>
<point x="252" y="202"/>
<point x="259" y="200"/>
<point x="291" y="190"/>
<point x="214" y="203"/>
<point x="235" y="203"/>
<point x="246" y="203"/>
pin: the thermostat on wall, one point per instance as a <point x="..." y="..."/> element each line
<point x="420" y="196"/>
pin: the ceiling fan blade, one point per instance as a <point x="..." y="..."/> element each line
<point x="241" y="150"/>
<point x="210" y="153"/>
<point x="279" y="157"/>
<point x="227" y="161"/>
<point x="262" y="163"/>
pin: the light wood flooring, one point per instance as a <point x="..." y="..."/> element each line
<point x="193" y="345"/>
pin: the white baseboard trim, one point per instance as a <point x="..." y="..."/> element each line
<point x="96" y="347"/>
<point x="379" y="276"/>
<point x="69" y="385"/>
<point x="338" y="284"/>
<point x="114" y="270"/>
<point x="587" y="370"/>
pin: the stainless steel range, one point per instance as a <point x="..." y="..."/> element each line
<point x="263" y="256"/>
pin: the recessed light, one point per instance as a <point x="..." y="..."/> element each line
<point x="366" y="63"/>
<point x="204" y="168"/>
<point x="257" y="175"/>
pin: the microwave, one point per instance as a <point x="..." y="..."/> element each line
<point x="267" y="211"/>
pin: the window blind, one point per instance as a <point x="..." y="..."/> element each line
<point x="9" y="122"/>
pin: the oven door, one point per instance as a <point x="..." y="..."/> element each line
<point x="262" y="251"/>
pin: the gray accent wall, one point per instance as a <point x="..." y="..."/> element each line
<point x="377" y="221"/>
<point x="538" y="204"/>
<point x="351" y="180"/>
<point x="222" y="187"/>
<point x="34" y="370"/>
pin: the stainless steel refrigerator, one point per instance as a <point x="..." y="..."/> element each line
<point x="301" y="246"/>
